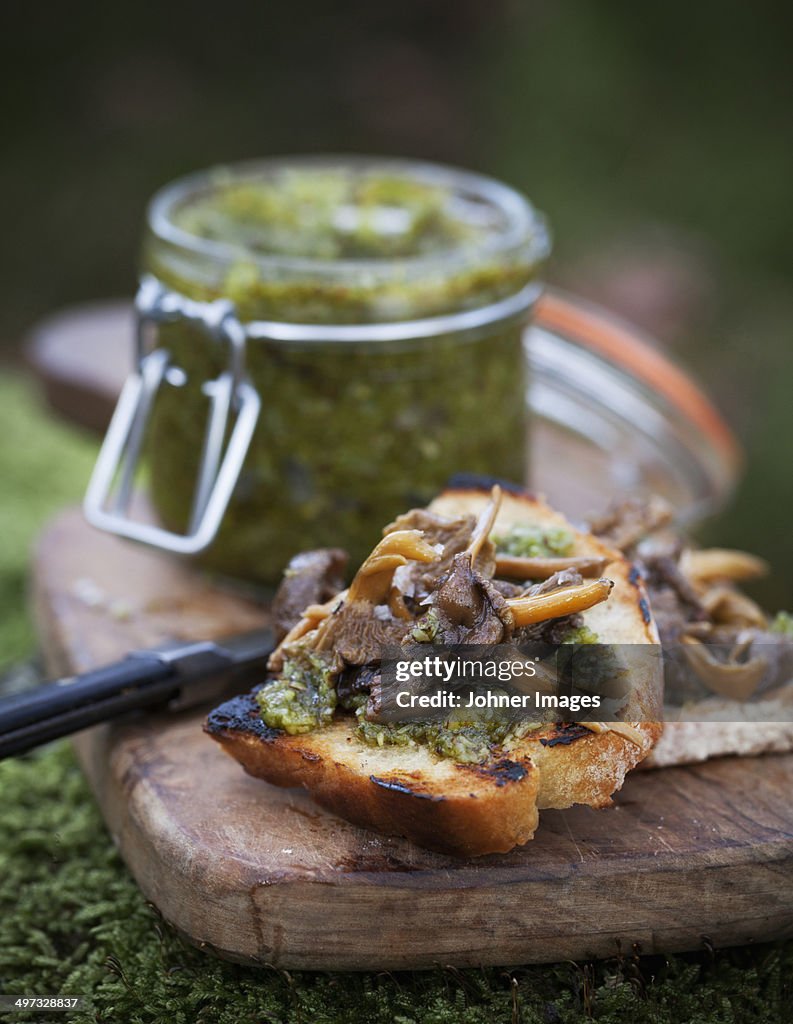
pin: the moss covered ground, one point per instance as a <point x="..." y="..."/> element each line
<point x="43" y="465"/>
<point x="73" y="922"/>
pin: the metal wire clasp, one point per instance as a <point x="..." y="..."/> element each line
<point x="109" y="497"/>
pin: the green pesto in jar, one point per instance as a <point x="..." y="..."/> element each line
<point x="350" y="433"/>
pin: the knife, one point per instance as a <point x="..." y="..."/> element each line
<point x="171" y="677"/>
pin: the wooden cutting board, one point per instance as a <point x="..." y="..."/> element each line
<point x="263" y="875"/>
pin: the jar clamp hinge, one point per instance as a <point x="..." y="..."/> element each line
<point x="108" y="501"/>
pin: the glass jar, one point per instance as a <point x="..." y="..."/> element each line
<point x="612" y="417"/>
<point x="333" y="338"/>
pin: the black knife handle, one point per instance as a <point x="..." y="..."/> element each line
<point x="57" y="709"/>
<point x="26" y="737"/>
<point x="179" y="674"/>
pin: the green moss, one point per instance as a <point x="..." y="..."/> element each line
<point x="73" y="922"/>
<point x="43" y="465"/>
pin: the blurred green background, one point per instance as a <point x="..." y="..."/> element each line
<point x="657" y="138"/>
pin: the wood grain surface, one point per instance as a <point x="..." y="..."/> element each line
<point x="263" y="875"/>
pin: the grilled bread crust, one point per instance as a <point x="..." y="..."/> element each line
<point x="463" y="809"/>
<point x="460" y="809"/>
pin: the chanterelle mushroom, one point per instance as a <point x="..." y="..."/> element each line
<point x="733" y="679"/>
<point x="416" y="580"/>
<point x="564" y="601"/>
<point x="541" y="567"/>
<point x="626" y="523"/>
<point x="468" y="608"/>
<point x="358" y="623"/>
<point x="709" y="564"/>
<point x="461" y="605"/>
<point x="311" y="578"/>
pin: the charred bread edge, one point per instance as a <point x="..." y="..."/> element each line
<point x="468" y="810"/>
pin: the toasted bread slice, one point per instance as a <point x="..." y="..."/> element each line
<point x="699" y="740"/>
<point x="466" y="809"/>
<point x="577" y="765"/>
<point x="461" y="809"/>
